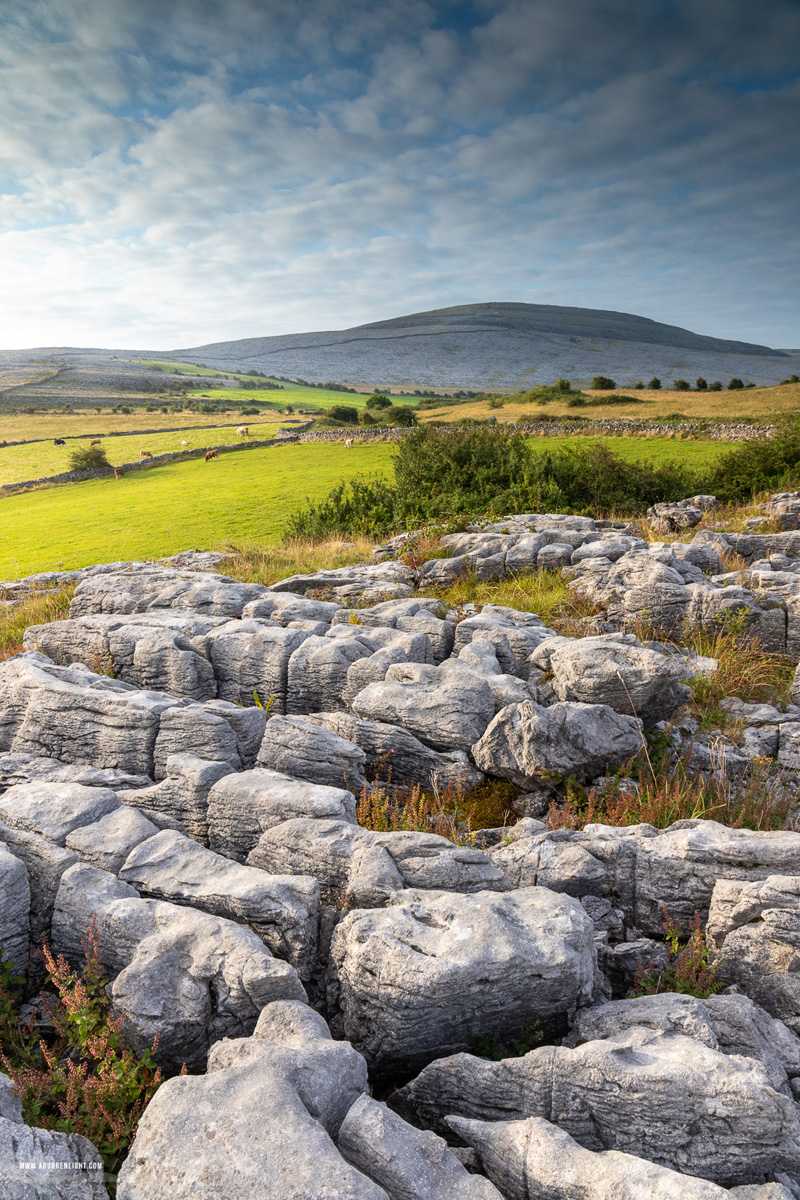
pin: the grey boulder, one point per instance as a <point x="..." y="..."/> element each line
<point x="433" y="970"/>
<point x="526" y="741"/>
<point x="447" y="707"/>
<point x="311" y="752"/>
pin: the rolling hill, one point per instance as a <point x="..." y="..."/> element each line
<point x="499" y="346"/>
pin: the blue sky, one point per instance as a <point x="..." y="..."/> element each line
<point x="184" y="172"/>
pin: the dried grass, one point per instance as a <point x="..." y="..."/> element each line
<point x="38" y="608"/>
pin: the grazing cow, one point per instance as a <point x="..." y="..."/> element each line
<point x="96" y="442"/>
<point x="243" y="431"/>
<point x="184" y="443"/>
<point x="119" y="473"/>
<point x="349" y="442"/>
<point x="211" y="454"/>
<point x="145" y="454"/>
<point x="59" y="442"/>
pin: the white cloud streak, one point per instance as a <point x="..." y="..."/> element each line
<point x="179" y="174"/>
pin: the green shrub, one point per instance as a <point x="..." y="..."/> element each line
<point x="402" y="414"/>
<point x="88" y="458"/>
<point x="681" y="385"/>
<point x="495" y="402"/>
<point x="735" y="384"/>
<point x="343" y="413"/>
<point x="378" y="400"/>
<point x="770" y="464"/>
<point x="654" y="384"/>
<point x="716" y="386"/>
<point x="603" y="383"/>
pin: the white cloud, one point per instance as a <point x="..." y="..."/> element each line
<point x="181" y="174"/>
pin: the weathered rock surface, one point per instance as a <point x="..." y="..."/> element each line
<point x="394" y="754"/>
<point x="432" y="971"/>
<point x="727" y="1123"/>
<point x="42" y="1164"/>
<point x="185" y="975"/>
<point x="313" y="752"/>
<point x="407" y="1162"/>
<point x="260" y="1124"/>
<point x="369" y="868"/>
<point x="54" y="810"/>
<point x="183" y="792"/>
<point x="525" y="741"/>
<point x="618" y="671"/>
<point x="754" y="930"/>
<point x="242" y="806"/>
<point x="155" y="587"/>
<point x="282" y="909"/>
<point x="15" y="907"/>
<point x="533" y="1158"/>
<point x="447" y="707"/>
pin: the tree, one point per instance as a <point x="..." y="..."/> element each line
<point x="343" y="413"/>
<point x="403" y="414"/>
<point x="680" y="385"/>
<point x="378" y="400"/>
<point x="367" y="418"/>
<point x="562" y="385"/>
<point x="700" y="384"/>
<point x="735" y="384"/>
<point x="654" y="384"/>
<point x="88" y="458"/>
<point x="602" y="383"/>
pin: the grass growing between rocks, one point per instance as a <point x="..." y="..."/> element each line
<point x="542" y="593"/>
<point x="252" y="562"/>
<point x="72" y="1069"/>
<point x="664" y="794"/>
<point x="39" y="608"/>
<point x="688" y="971"/>
<point x="449" y="813"/>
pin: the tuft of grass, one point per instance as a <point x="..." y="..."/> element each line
<point x="543" y="593"/>
<point x="39" y="608"/>
<point x="668" y="793"/>
<point x="252" y="562"/>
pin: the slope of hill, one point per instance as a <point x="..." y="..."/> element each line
<point x="501" y="345"/>
<point x="476" y="346"/>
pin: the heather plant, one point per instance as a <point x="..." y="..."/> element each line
<point x="74" y="1073"/>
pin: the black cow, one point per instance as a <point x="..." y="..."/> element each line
<point x="59" y="442"/>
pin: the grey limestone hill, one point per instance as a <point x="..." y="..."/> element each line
<point x="501" y="345"/>
<point x="498" y="346"/>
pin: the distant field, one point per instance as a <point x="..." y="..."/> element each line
<point x="762" y="402"/>
<point x="290" y="393"/>
<point x="38" y="459"/>
<point x="243" y="496"/>
<point x="16" y="427"/>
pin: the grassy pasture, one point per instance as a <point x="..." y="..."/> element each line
<point x="763" y="403"/>
<point x="37" y="459"/>
<point x="17" y="427"/>
<point x="242" y="497"/>
<point x="179" y="506"/>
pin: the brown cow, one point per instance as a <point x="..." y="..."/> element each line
<point x="145" y="454"/>
<point x="211" y="454"/>
<point x="243" y="431"/>
<point x="119" y="473"/>
<point x="96" y="442"/>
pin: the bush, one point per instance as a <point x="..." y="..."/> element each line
<point x="768" y="465"/>
<point x="378" y="400"/>
<point x="368" y="419"/>
<point x="602" y="383"/>
<point x="716" y="386"/>
<point x="495" y="402"/>
<point x="654" y="384"/>
<point x="343" y="413"/>
<point x="700" y="384"/>
<point x="680" y="385"/>
<point x="88" y="458"/>
<point x="735" y="384"/>
<point x="403" y="414"/>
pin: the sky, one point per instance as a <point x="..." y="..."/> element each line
<point x="178" y="173"/>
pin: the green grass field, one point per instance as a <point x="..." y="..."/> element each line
<point x="152" y="513"/>
<point x="198" y="505"/>
<point x="291" y="393"/>
<point x="38" y="459"/>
